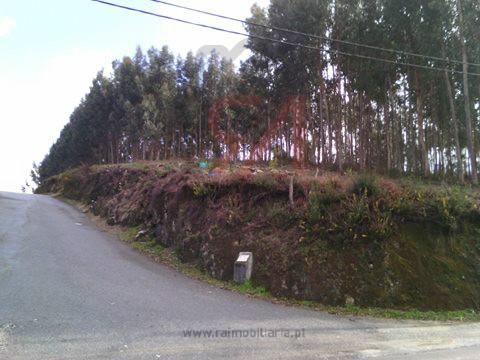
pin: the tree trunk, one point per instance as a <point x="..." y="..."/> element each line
<point x="361" y="136"/>
<point x="466" y="92"/>
<point x="458" y="150"/>
<point x="421" y="129"/>
<point x="200" y="119"/>
<point x="387" y="120"/>
<point x="319" y="153"/>
<point x="338" y="136"/>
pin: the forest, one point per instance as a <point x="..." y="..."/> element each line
<point x="385" y="86"/>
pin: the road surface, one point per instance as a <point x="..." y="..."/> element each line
<point x="71" y="291"/>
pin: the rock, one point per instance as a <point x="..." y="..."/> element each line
<point x="349" y="301"/>
<point x="295" y="289"/>
<point x="141" y="235"/>
<point x="242" y="270"/>
<point x="161" y="235"/>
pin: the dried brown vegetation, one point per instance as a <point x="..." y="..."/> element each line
<point x="382" y="242"/>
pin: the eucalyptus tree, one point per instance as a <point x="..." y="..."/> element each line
<point x="297" y="71"/>
<point x="472" y="154"/>
<point x="160" y="85"/>
<point x="368" y="80"/>
<point x="189" y="102"/>
<point x="254" y="119"/>
<point x="372" y="107"/>
<point x="211" y="94"/>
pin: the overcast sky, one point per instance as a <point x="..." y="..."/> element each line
<point x="51" y="50"/>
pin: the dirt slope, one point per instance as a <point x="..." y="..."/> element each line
<point x="380" y="242"/>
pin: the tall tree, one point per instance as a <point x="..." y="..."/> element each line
<point x="466" y="94"/>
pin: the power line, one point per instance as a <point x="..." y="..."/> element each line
<point x="365" y="57"/>
<point x="295" y="32"/>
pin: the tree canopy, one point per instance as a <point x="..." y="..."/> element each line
<point x="339" y="101"/>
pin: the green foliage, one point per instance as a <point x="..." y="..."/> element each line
<point x="149" y="247"/>
<point x="446" y="207"/>
<point x="372" y="214"/>
<point x="201" y="189"/>
<point x="266" y="181"/>
<point x="248" y="288"/>
<point x="274" y="164"/>
<point x="366" y="218"/>
<point x="365" y="184"/>
<point x="156" y="106"/>
<point x="322" y="196"/>
<point x="468" y="315"/>
<point x="128" y="235"/>
<point x="281" y="215"/>
<point x="340" y="219"/>
<point x="35" y="175"/>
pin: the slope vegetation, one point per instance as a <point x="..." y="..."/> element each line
<point x="384" y="243"/>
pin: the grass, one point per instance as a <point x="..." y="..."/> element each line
<point x="248" y="288"/>
<point x="149" y="247"/>
<point x="128" y="234"/>
<point x="460" y="315"/>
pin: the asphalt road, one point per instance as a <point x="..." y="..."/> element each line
<point x="71" y="291"/>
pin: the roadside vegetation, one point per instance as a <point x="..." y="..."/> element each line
<point x="356" y="243"/>
<point x="169" y="258"/>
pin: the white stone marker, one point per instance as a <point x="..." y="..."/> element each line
<point x="242" y="270"/>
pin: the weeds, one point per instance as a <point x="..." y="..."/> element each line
<point x="149" y="247"/>
<point x="266" y="181"/>
<point x="202" y="190"/>
<point x="336" y="229"/>
<point x="365" y="184"/>
<point x="248" y="288"/>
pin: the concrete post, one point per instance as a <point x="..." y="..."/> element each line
<point x="242" y="270"/>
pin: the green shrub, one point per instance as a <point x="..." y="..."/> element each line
<point x="281" y="215"/>
<point x="266" y="181"/>
<point x="365" y="184"/>
<point x="248" y="288"/>
<point x="342" y="219"/>
<point x="274" y="164"/>
<point x="366" y="218"/>
<point x="201" y="190"/>
<point x="446" y="207"/>
<point x="321" y="198"/>
<point x="330" y="193"/>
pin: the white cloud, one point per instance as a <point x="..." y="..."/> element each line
<point x="6" y="25"/>
<point x="34" y="109"/>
